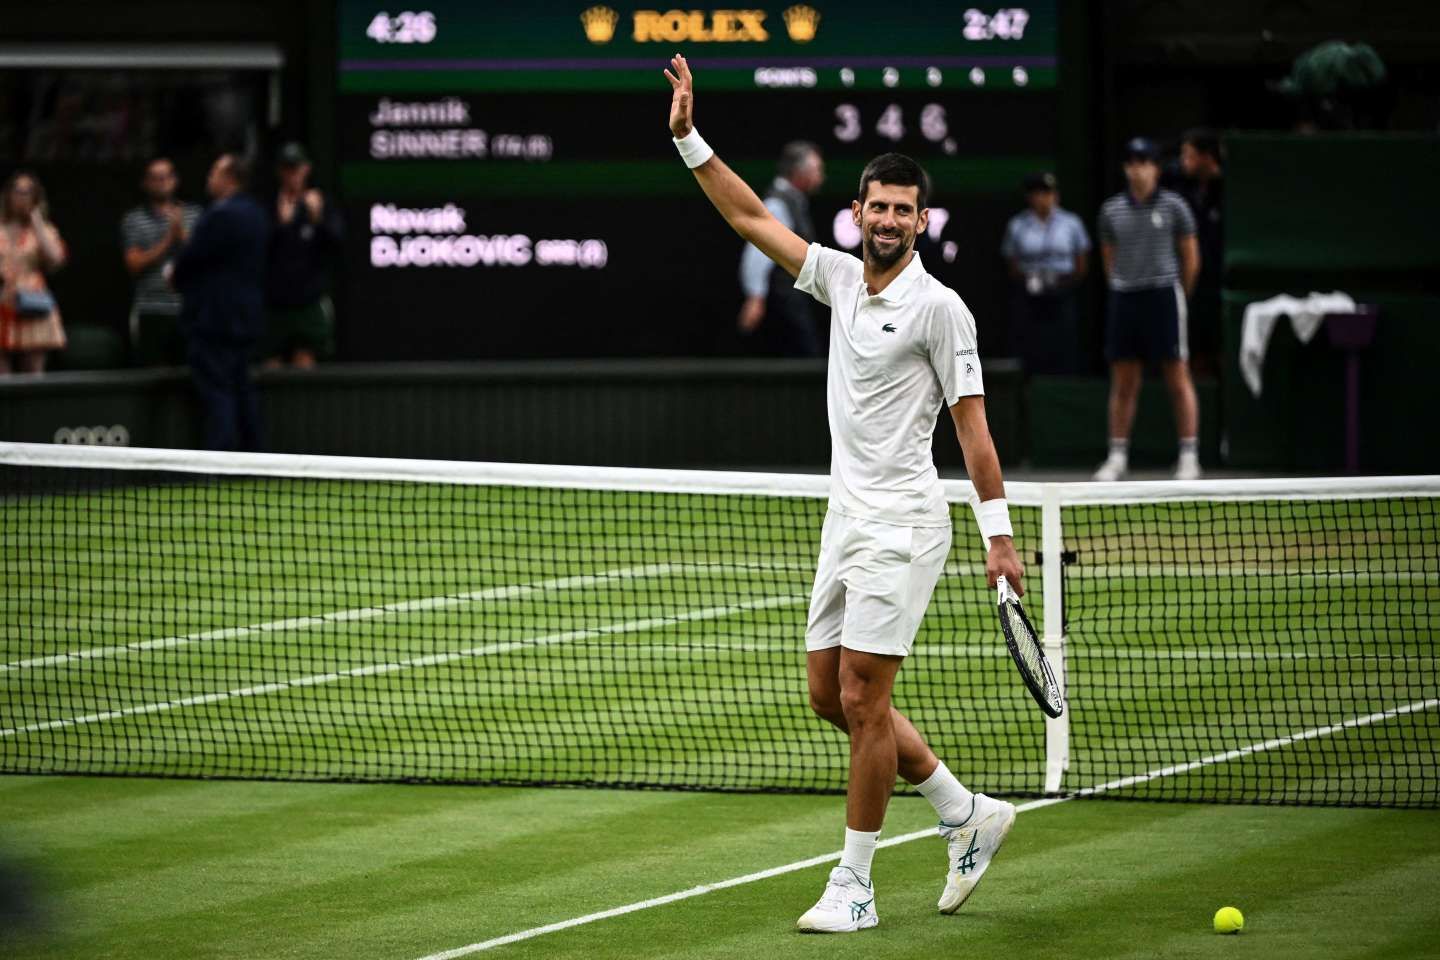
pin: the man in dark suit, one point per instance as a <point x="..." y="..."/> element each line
<point x="220" y="274"/>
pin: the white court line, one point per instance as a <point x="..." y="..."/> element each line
<point x="355" y="613"/>
<point x="705" y="888"/>
<point x="434" y="659"/>
<point x="71" y="657"/>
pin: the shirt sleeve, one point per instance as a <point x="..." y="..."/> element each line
<point x="952" y="345"/>
<point x="823" y="269"/>
<point x="1184" y="219"/>
<point x="1007" y="243"/>
<point x="129" y="233"/>
<point x="1104" y="229"/>
<point x="1082" y="239"/>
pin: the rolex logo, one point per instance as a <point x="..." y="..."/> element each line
<point x="802" y="22"/>
<point x="599" y="22"/>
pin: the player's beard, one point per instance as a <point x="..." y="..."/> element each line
<point x="879" y="258"/>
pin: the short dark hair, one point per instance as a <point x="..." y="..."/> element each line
<point x="1204" y="140"/>
<point x="793" y="156"/>
<point x="897" y="170"/>
<point x="239" y="168"/>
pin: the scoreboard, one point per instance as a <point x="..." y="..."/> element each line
<point x="511" y="188"/>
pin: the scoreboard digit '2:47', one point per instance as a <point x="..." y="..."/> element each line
<point x="512" y="190"/>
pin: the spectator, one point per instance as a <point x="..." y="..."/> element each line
<point x="306" y="235"/>
<point x="770" y="293"/>
<point x="220" y="274"/>
<point x="151" y="234"/>
<point x="1047" y="250"/>
<point x="1147" y="244"/>
<point x="30" y="247"/>
<point x="1203" y="190"/>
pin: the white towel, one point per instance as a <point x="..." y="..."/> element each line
<point x="1305" y="316"/>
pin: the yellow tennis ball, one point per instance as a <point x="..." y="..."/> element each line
<point x="1229" y="920"/>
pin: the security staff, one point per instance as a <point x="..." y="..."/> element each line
<point x="1047" y="251"/>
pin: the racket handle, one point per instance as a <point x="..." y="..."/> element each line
<point x="1003" y="588"/>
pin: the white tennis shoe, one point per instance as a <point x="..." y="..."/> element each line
<point x="1114" y="468"/>
<point x="972" y="845"/>
<point x="1187" y="467"/>
<point x="847" y="905"/>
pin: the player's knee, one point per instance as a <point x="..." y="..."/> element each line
<point x="861" y="707"/>
<point x="827" y="707"/>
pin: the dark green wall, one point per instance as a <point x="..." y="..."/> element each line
<point x="1351" y="212"/>
<point x="680" y="413"/>
<point x="1067" y="420"/>
<point x="1298" y="421"/>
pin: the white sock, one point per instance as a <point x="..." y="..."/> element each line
<point x="859" y="852"/>
<point x="1189" y="447"/>
<point x="1120" y="449"/>
<point x="948" y="796"/>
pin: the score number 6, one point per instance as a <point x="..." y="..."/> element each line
<point x="933" y="124"/>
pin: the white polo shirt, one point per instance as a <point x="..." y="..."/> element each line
<point x="896" y="358"/>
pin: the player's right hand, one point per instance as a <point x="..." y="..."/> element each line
<point x="682" y="103"/>
<point x="1003" y="561"/>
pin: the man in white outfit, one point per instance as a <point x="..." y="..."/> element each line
<point x="901" y="345"/>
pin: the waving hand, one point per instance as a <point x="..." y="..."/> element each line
<point x="682" y="104"/>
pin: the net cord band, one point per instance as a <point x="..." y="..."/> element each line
<point x="815" y="486"/>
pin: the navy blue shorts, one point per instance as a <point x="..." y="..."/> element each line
<point x="1146" y="325"/>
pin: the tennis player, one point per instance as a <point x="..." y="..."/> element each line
<point x="901" y="344"/>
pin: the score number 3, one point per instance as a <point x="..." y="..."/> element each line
<point x="405" y="27"/>
<point x="891" y="124"/>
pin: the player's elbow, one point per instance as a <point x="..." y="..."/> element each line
<point x="751" y="228"/>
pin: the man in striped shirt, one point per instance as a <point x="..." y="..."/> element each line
<point x="151" y="234"/>
<point x="1151" y="260"/>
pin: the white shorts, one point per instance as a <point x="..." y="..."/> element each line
<point x="872" y="584"/>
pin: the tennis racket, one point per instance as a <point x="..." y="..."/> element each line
<point x="1026" y="652"/>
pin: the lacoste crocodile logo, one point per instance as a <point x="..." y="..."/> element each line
<point x="889" y="328"/>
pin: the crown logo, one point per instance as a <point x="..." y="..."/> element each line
<point x="599" y="22"/>
<point x="802" y="22"/>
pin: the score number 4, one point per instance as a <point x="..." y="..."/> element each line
<point x="891" y="125"/>
<point x="408" y="26"/>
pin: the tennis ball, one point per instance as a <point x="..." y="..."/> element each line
<point x="1229" y="920"/>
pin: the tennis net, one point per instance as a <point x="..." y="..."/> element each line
<point x="172" y="613"/>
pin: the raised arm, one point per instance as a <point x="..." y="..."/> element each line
<point x="737" y="203"/>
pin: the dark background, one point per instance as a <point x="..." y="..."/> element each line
<point x="670" y="287"/>
<point x="1126" y="67"/>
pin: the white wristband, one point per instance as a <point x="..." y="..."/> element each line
<point x="993" y="516"/>
<point x="693" y="149"/>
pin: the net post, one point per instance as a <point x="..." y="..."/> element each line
<point x="1057" y="729"/>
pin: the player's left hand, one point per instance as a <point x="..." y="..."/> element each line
<point x="682" y="103"/>
<point x="1003" y="561"/>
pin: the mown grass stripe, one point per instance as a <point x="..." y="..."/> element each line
<point x="507" y="592"/>
<point x="1121" y="783"/>
<point x="430" y="660"/>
